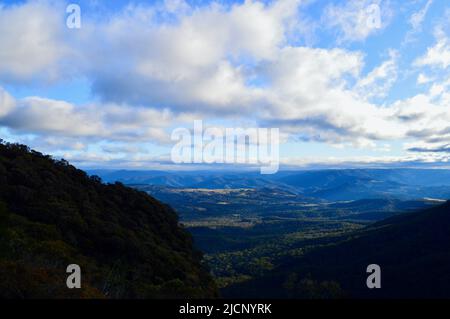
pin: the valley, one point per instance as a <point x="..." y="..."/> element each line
<point x="254" y="225"/>
<point x="246" y="233"/>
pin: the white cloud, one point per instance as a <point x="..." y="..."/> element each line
<point x="7" y="102"/>
<point x="416" y="21"/>
<point x="50" y="118"/>
<point x="176" y="6"/>
<point x="439" y="54"/>
<point x="418" y="17"/>
<point x="378" y="82"/>
<point x="312" y="98"/>
<point x="423" y="79"/>
<point x="213" y="62"/>
<point x="193" y="63"/>
<point x="31" y="41"/>
<point x="425" y="118"/>
<point x="194" y="66"/>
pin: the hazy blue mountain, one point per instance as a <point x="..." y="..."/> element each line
<point x="331" y="185"/>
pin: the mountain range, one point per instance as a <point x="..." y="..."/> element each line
<point x="332" y="185"/>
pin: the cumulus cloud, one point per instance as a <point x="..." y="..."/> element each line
<point x="195" y="62"/>
<point x="426" y="119"/>
<point x="218" y="62"/>
<point x="312" y="98"/>
<point x="199" y="64"/>
<point x="32" y="41"/>
<point x="50" y="118"/>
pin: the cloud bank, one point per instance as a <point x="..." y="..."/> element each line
<point x="153" y="67"/>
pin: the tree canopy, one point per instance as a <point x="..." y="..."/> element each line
<point x="128" y="244"/>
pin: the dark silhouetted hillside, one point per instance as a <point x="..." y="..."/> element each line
<point x="128" y="244"/>
<point x="412" y="249"/>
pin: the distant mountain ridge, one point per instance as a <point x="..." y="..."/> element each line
<point x="332" y="185"/>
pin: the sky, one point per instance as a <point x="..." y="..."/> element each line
<point x="354" y="82"/>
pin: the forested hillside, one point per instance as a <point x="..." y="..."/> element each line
<point x="127" y="244"/>
<point x="412" y="249"/>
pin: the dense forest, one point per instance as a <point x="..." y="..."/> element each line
<point x="128" y="244"/>
<point x="412" y="249"/>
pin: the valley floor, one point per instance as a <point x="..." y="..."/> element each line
<point x="247" y="233"/>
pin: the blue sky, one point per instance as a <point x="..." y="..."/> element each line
<point x="357" y="81"/>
